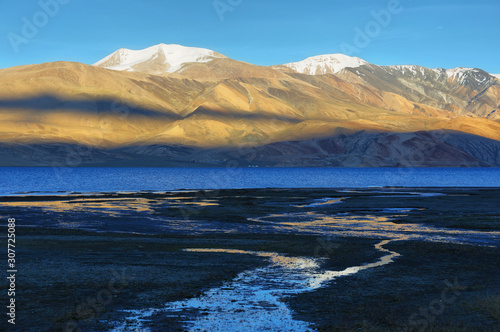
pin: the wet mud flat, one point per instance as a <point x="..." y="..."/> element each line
<point x="159" y="261"/>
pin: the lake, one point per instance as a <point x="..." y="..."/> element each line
<point x="22" y="180"/>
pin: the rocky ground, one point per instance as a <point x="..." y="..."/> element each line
<point x="83" y="260"/>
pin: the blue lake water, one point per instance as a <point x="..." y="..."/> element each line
<point x="51" y="180"/>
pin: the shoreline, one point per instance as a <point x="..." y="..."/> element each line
<point x="109" y="180"/>
<point x="127" y="193"/>
<point x="70" y="251"/>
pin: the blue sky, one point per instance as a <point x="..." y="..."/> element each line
<point x="266" y="32"/>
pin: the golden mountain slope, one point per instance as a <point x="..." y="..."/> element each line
<point x="473" y="93"/>
<point x="224" y="103"/>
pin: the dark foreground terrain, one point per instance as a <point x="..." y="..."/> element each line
<point x="83" y="259"/>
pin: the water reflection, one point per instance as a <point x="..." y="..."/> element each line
<point x="111" y="206"/>
<point x="193" y="213"/>
<point x="323" y="201"/>
<point x="374" y="226"/>
<point x="108" y="205"/>
<point x="254" y="300"/>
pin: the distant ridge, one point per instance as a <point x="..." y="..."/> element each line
<point x="176" y="105"/>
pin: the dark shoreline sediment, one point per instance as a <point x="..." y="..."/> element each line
<point x="431" y="287"/>
<point x="66" y="268"/>
<point x="71" y="248"/>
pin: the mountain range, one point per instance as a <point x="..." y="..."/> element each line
<point x="170" y="105"/>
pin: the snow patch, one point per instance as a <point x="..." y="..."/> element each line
<point x="459" y="72"/>
<point x="176" y="56"/>
<point x="424" y="72"/>
<point x="326" y="64"/>
<point x="461" y="75"/>
<point x="407" y="69"/>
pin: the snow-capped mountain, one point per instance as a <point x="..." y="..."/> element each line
<point x="361" y="115"/>
<point x="464" y="75"/>
<point x="463" y="91"/>
<point x="466" y="91"/>
<point x="456" y="76"/>
<point x="157" y="59"/>
<point x="326" y="64"/>
<point x="496" y="75"/>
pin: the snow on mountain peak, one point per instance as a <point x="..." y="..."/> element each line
<point x="160" y="58"/>
<point x="460" y="71"/>
<point x="414" y="70"/>
<point x="326" y="64"/>
<point x="462" y="75"/>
